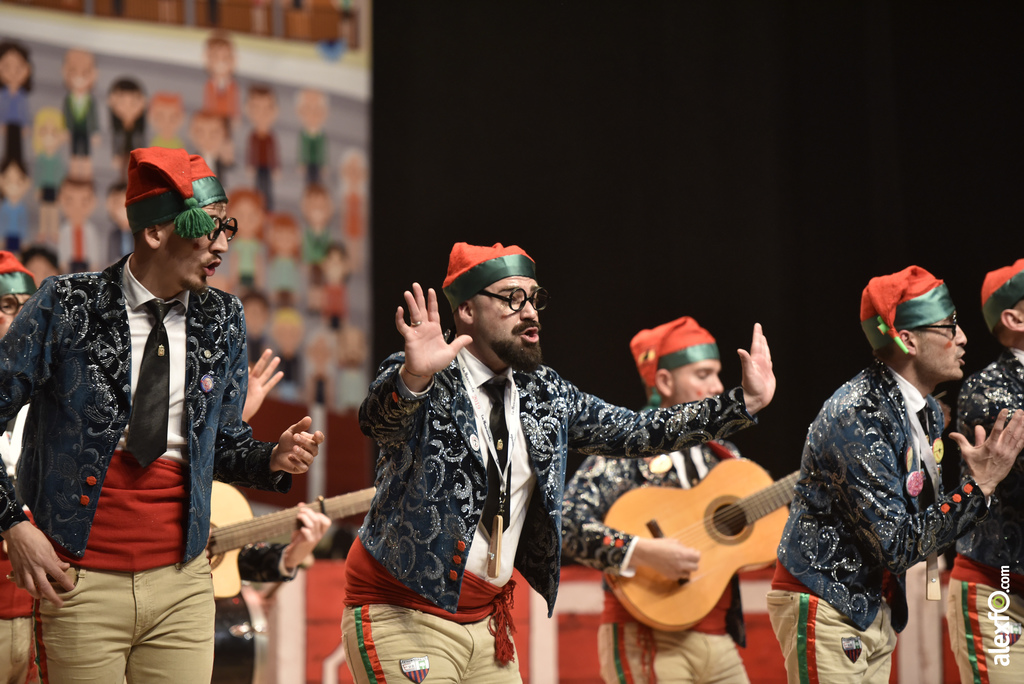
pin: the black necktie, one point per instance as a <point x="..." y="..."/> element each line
<point x="495" y="388"/>
<point x="691" y="468"/>
<point x="147" y="431"/>
<point x="927" y="496"/>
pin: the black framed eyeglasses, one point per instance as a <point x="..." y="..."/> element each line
<point x="228" y="225"/>
<point x="517" y="299"/>
<point x="10" y="304"/>
<point x="951" y="326"/>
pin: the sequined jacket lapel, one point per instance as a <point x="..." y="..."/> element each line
<point x="69" y="352"/>
<point x="997" y="540"/>
<point x="431" y="482"/>
<point x="852" y="519"/>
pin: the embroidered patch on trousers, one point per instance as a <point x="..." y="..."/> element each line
<point x="1013" y="631"/>
<point x="851" y="647"/>
<point x="415" y="669"/>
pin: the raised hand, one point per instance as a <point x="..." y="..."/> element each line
<point x="34" y="562"/>
<point x="426" y="351"/>
<point x="296" y="449"/>
<point x="991" y="459"/>
<point x="262" y="379"/>
<point x="758" y="378"/>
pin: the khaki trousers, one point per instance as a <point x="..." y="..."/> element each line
<point x="986" y="646"/>
<point x="144" y="627"/>
<point x="626" y="649"/>
<point x="820" y="644"/>
<point x="16" y="650"/>
<point x="386" y="643"/>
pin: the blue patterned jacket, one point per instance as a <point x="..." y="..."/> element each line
<point x="431" y="484"/>
<point x="852" y="519"/>
<point x="999" y="539"/>
<point x="69" y="352"/>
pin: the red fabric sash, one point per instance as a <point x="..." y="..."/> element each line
<point x="140" y="518"/>
<point x="969" y="570"/>
<point x="367" y="582"/>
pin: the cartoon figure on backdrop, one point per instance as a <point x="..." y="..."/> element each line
<point x="209" y="134"/>
<point x="14" y="186"/>
<point x="48" y="135"/>
<point x="119" y="236"/>
<point x="127" y="104"/>
<point x="257" y="317"/>
<point x="261" y="154"/>
<point x="80" y="246"/>
<point x="15" y="85"/>
<point x="220" y="94"/>
<point x="311" y="107"/>
<point x="353" y="203"/>
<point x="353" y="194"/>
<point x="42" y="261"/>
<point x="317" y="208"/>
<point x="351" y="350"/>
<point x="287" y="330"/>
<point x="80" y="115"/>
<point x="166" y="116"/>
<point x="284" y="239"/>
<point x="258" y="16"/>
<point x="320" y="381"/>
<point x="249" y="261"/>
<point x="348" y="31"/>
<point x="336" y="269"/>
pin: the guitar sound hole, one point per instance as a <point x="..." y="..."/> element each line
<point x="729" y="520"/>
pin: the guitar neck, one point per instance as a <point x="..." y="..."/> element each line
<point x="770" y="499"/>
<point x="272" y="525"/>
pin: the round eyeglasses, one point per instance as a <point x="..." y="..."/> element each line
<point x="228" y="225"/>
<point x="10" y="304"/>
<point x="517" y="299"/>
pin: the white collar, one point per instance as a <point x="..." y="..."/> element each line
<point x="479" y="373"/>
<point x="137" y="295"/>
<point x="1019" y="353"/>
<point x="912" y="397"/>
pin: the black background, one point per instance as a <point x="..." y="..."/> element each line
<point x="732" y="161"/>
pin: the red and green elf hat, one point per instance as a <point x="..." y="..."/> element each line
<point x="908" y="299"/>
<point x="1002" y="289"/>
<point x="166" y="185"/>
<point x="472" y="268"/>
<point x="669" y="346"/>
<point x="14" y="278"/>
<point x="684" y="342"/>
<point x="644" y="347"/>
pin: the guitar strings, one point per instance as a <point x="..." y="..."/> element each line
<point x="759" y="504"/>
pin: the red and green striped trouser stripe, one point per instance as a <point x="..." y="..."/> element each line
<point x="805" y="644"/>
<point x="367" y="649"/>
<point x="972" y="632"/>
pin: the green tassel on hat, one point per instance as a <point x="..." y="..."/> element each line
<point x="193" y="222"/>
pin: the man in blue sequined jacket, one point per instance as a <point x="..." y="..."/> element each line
<point x="989" y="565"/>
<point x="74" y="352"/>
<point x="869" y="502"/>
<point x="428" y="576"/>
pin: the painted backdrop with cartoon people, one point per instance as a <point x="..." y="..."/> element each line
<point x="283" y="123"/>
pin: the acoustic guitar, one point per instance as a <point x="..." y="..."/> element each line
<point x="232" y="527"/>
<point x="734" y="517"/>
